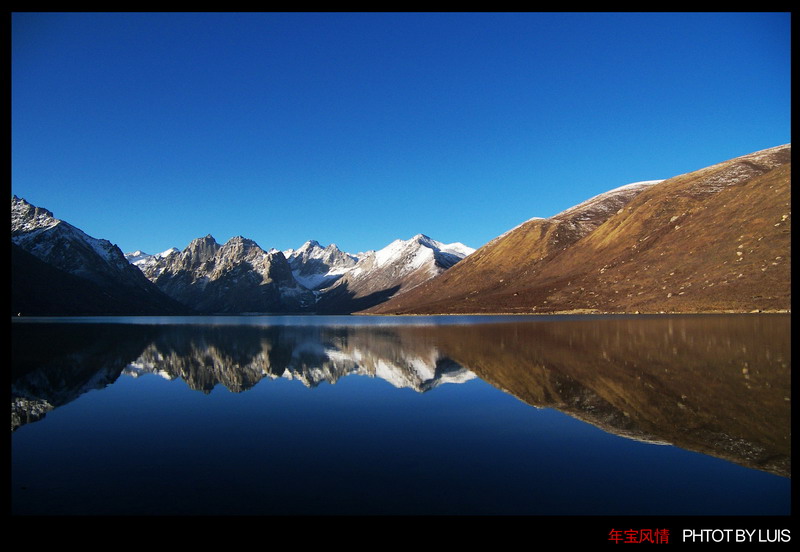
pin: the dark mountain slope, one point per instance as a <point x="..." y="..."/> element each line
<point x="40" y="289"/>
<point x="57" y="269"/>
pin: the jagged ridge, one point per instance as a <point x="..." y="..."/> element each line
<point x="236" y="277"/>
<point x="241" y="277"/>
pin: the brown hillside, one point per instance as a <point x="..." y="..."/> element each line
<point x="717" y="239"/>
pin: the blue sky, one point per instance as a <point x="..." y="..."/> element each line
<point x="152" y="129"/>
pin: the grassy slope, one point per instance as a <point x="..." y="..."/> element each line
<point x="717" y="239"/>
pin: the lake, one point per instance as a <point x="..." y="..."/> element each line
<point x="546" y="415"/>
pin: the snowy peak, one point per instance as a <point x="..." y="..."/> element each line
<point x="313" y="250"/>
<point x="310" y="245"/>
<point x="64" y="246"/>
<point x="316" y="267"/>
<point x="457" y="248"/>
<point x="141" y="259"/>
<point x="388" y="272"/>
<point x="425" y="241"/>
<point x="28" y="218"/>
<point x="74" y="272"/>
<point x="418" y="251"/>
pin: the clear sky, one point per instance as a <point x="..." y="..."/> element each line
<point x="152" y="129"/>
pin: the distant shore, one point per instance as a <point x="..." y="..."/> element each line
<point x="575" y="312"/>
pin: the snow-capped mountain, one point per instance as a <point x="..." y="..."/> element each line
<point x="207" y="277"/>
<point x="241" y="277"/>
<point x="238" y="276"/>
<point x="418" y="255"/>
<point x="395" y="269"/>
<point x="144" y="261"/>
<point x="316" y="267"/>
<point x="64" y="246"/>
<point x="62" y="264"/>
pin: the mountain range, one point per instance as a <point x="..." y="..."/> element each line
<point x="716" y="239"/>
<point x="58" y="269"/>
<point x="241" y="277"/>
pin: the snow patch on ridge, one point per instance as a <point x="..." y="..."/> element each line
<point x="591" y="202"/>
<point x="599" y="198"/>
<point x="143" y="261"/>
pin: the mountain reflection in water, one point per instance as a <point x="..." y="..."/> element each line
<point x="719" y="385"/>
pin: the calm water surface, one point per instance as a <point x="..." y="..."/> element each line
<point x="661" y="415"/>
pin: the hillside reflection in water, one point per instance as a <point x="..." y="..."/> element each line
<point x="717" y="385"/>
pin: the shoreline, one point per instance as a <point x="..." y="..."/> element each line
<point x="574" y="312"/>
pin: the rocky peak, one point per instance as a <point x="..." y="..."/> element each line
<point x="310" y="249"/>
<point x="238" y="276"/>
<point x="315" y="267"/>
<point x="239" y="246"/>
<point x="199" y="250"/>
<point x="310" y="244"/>
<point x="241" y="240"/>
<point x="27" y="218"/>
<point x="245" y="254"/>
<point x="207" y="240"/>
